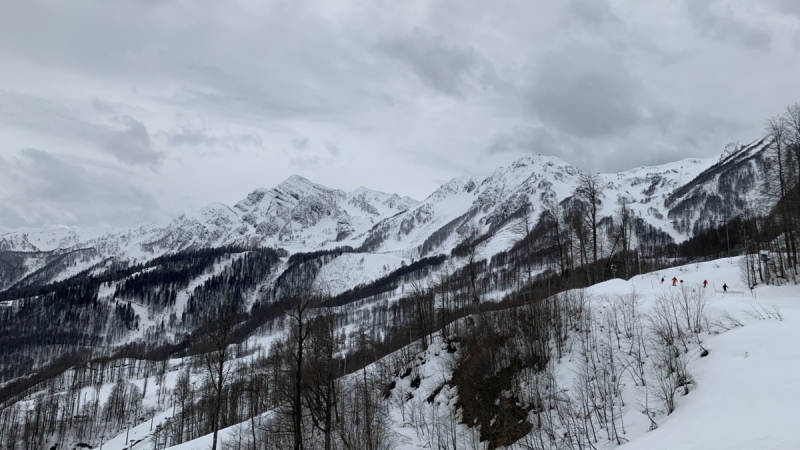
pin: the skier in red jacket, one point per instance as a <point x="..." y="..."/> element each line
<point x="705" y="283"/>
<point x="674" y="281"/>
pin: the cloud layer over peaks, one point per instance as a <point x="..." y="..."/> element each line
<point x="116" y="112"/>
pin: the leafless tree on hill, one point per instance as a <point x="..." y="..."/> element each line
<point x="590" y="192"/>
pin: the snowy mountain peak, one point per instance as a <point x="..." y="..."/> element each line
<point x="297" y="184"/>
<point x="16" y="242"/>
<point x="541" y="160"/>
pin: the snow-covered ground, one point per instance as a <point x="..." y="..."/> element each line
<point x="744" y="394"/>
<point x="747" y="390"/>
<point x="351" y="269"/>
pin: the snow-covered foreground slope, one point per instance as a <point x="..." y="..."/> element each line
<point x="742" y="395"/>
<point x="747" y="391"/>
<point x="747" y="387"/>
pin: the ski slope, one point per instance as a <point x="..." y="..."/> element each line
<point x="747" y="390"/>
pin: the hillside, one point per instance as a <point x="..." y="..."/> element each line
<point x="741" y="395"/>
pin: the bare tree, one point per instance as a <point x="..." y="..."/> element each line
<point x="423" y="301"/>
<point x="670" y="363"/>
<point x="322" y="371"/>
<point x="590" y="192"/>
<point x="792" y="123"/>
<point x="624" y="229"/>
<point x="216" y="340"/>
<point x="579" y="238"/>
<point x="292" y="355"/>
<point x="521" y="229"/>
<point x="777" y="185"/>
<point x="473" y="243"/>
<point x="692" y="303"/>
<point x="553" y="219"/>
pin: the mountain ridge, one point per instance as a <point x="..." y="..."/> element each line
<point x="300" y="215"/>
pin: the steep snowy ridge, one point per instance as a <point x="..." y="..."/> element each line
<point x="681" y="198"/>
<point x="720" y="192"/>
<point x="481" y="200"/>
<point x="538" y="180"/>
<point x="15" y="242"/>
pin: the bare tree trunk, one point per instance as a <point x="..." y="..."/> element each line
<point x="217" y="340"/>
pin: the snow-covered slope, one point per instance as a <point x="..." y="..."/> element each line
<point x="743" y="393"/>
<point x="721" y="191"/>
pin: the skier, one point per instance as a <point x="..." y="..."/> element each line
<point x="705" y="283"/>
<point x="674" y="281"/>
<point x="662" y="280"/>
<point x="725" y="287"/>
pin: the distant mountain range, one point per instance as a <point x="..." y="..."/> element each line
<point x="681" y="198"/>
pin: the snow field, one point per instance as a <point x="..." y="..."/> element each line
<point x="351" y="269"/>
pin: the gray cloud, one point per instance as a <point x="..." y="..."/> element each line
<point x="716" y="20"/>
<point x="588" y="92"/>
<point x="445" y="67"/>
<point x="39" y="188"/>
<point x="541" y="140"/>
<point x="103" y="106"/>
<point x="788" y="6"/>
<point x="333" y="149"/>
<point x="527" y="140"/>
<point x="305" y="156"/>
<point x="127" y="139"/>
<point x="300" y="143"/>
<point x="305" y="161"/>
<point x="39" y="115"/>
<point x="596" y="15"/>
<point x="189" y="136"/>
<point x="597" y="21"/>
<point x="263" y="89"/>
<point x="196" y="136"/>
<point x="132" y="144"/>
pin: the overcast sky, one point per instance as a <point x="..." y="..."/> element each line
<point x="117" y="112"/>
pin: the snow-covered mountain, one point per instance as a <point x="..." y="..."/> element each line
<point x="296" y="214"/>
<point x="681" y="198"/>
<point x="720" y="192"/>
